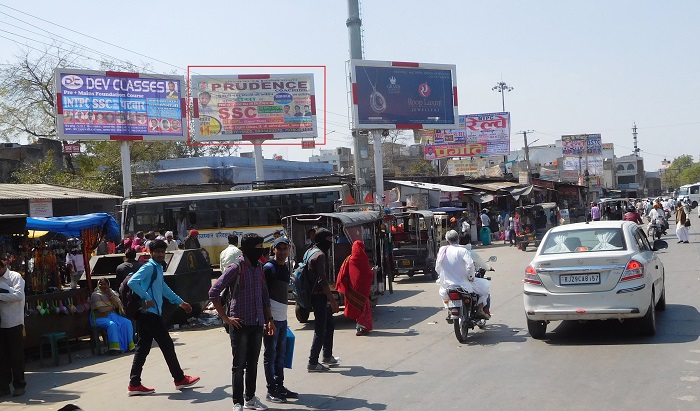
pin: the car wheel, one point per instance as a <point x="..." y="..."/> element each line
<point x="661" y="304"/>
<point x="523" y="246"/>
<point x="537" y="329"/>
<point x="648" y="322"/>
<point x="302" y="314"/>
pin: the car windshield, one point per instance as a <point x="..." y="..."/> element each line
<point x="590" y="240"/>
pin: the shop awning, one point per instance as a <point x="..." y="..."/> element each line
<point x="493" y="186"/>
<point x="516" y="192"/>
<point x="431" y="186"/>
<point x="72" y="225"/>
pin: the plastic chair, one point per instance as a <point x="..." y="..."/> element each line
<point x="52" y="339"/>
<point x="95" y="333"/>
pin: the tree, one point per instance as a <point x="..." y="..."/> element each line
<point x="423" y="168"/>
<point x="674" y="175"/>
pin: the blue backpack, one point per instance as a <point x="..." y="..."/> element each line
<point x="302" y="286"/>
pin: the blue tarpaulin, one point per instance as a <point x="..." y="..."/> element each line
<point x="72" y="225"/>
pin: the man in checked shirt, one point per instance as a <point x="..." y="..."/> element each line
<point x="249" y="318"/>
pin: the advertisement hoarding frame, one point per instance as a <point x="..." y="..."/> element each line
<point x="59" y="110"/>
<point x="250" y="137"/>
<point x="354" y="64"/>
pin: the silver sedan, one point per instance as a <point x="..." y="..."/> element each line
<point x="598" y="271"/>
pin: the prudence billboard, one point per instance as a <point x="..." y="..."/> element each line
<point x="105" y="105"/>
<point x="402" y="95"/>
<point x="254" y="106"/>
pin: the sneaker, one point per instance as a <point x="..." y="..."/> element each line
<point x="254" y="404"/>
<point x="317" y="368"/>
<point x="237" y="407"/>
<point x="275" y="397"/>
<point x="18" y="392"/>
<point x="287" y="393"/>
<point x="331" y="361"/>
<point x="186" y="382"/>
<point x="140" y="390"/>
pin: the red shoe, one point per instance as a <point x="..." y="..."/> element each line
<point x="186" y="382"/>
<point x="140" y="390"/>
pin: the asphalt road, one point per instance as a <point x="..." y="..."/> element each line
<point x="412" y="360"/>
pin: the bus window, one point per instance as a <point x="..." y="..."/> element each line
<point x="206" y="213"/>
<point x="307" y="203"/>
<point x="148" y="217"/>
<point x="234" y="211"/>
<point x="325" y="202"/>
<point x="694" y="189"/>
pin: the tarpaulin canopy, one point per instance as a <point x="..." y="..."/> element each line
<point x="72" y="225"/>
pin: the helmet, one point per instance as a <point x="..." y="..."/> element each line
<point x="630" y="209"/>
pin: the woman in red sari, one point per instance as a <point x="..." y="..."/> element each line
<point x="355" y="282"/>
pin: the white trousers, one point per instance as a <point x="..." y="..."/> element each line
<point x="481" y="286"/>
<point x="681" y="232"/>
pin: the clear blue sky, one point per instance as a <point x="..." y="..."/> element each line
<point x="594" y="66"/>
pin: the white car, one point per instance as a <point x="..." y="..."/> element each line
<point x="599" y="271"/>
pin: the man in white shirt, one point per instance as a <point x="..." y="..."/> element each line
<point x="11" y="327"/>
<point x="230" y="254"/>
<point x="76" y="266"/>
<point x="485" y="220"/>
<point x="170" y="241"/>
<point x="456" y="269"/>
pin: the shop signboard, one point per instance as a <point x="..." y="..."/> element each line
<point x="254" y="106"/>
<point x="436" y="152"/>
<point x="106" y="105"/>
<point x="391" y="94"/>
<point x="575" y="145"/>
<point x="40" y="207"/>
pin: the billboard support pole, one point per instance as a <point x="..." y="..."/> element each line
<point x="259" y="169"/>
<point x="378" y="166"/>
<point x="126" y="169"/>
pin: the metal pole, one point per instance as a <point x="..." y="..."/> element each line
<point x="503" y="100"/>
<point x="527" y="158"/>
<point x="126" y="169"/>
<point x="378" y="166"/>
<point x="259" y="169"/>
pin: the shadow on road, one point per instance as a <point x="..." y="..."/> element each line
<point x="494" y="334"/>
<point x="45" y="387"/>
<point x="678" y="324"/>
<point x="327" y="402"/>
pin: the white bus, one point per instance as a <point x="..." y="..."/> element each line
<point x="216" y="215"/>
<point x="690" y="191"/>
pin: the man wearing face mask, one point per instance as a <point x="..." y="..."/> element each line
<point x="323" y="303"/>
<point x="250" y="317"/>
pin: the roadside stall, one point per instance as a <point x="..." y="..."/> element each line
<point x="50" y="307"/>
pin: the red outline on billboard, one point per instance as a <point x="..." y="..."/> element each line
<point x="246" y="141"/>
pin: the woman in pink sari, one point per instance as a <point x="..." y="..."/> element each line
<point x="355" y="282"/>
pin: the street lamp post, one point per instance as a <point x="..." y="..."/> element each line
<point x="502" y="87"/>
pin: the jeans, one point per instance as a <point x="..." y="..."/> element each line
<point x="12" y="358"/>
<point x="151" y="327"/>
<point x="323" y="329"/>
<point x="245" y="348"/>
<point x="273" y="358"/>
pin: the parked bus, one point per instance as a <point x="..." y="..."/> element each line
<point x="216" y="215"/>
<point x="691" y="192"/>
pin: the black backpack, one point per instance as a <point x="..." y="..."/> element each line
<point x="130" y="300"/>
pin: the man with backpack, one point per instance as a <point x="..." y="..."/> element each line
<point x="322" y="301"/>
<point x="249" y="318"/>
<point x="277" y="278"/>
<point x="149" y="284"/>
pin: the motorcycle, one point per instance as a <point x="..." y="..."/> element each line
<point x="656" y="228"/>
<point x="462" y="308"/>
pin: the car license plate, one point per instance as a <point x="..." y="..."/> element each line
<point x="454" y="303"/>
<point x="579" y="279"/>
<point x="406" y="262"/>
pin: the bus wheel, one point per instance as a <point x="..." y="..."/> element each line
<point x="301" y="313"/>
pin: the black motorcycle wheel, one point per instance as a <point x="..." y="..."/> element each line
<point x="461" y="325"/>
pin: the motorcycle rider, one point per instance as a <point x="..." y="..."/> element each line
<point x="632" y="215"/>
<point x="481" y="263"/>
<point x="456" y="269"/>
<point x="657" y="216"/>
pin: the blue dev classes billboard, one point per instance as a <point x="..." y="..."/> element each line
<point x="404" y="95"/>
<point x="104" y="105"/>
